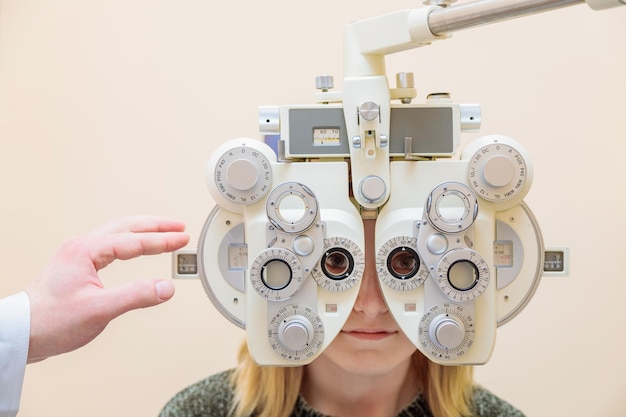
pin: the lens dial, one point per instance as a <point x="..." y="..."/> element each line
<point x="296" y="332"/>
<point x="462" y="274"/>
<point x="452" y="207"/>
<point x="292" y="207"/>
<point x="399" y="265"/>
<point x="446" y="331"/>
<point x="499" y="170"/>
<point x="341" y="266"/>
<point x="241" y="175"/>
<point x="276" y="274"/>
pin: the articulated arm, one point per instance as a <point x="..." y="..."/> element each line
<point x="366" y="96"/>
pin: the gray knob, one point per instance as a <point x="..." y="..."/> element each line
<point x="295" y="333"/>
<point x="446" y="332"/>
<point x="405" y="80"/>
<point x="369" y="110"/>
<point x="324" y="82"/>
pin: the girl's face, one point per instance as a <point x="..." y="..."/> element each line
<point x="370" y="343"/>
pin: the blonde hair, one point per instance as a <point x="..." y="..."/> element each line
<point x="447" y="389"/>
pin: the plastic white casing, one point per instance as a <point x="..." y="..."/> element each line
<point x="508" y="287"/>
<point x="336" y="217"/>
<point x="498" y="235"/>
<point x="366" y="44"/>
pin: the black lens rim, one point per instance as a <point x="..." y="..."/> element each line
<point x="337" y="277"/>
<point x="265" y="281"/>
<point x="413" y="271"/>
<point x="474" y="268"/>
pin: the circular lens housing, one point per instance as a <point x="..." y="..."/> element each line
<point x="337" y="263"/>
<point x="403" y="262"/>
<point x="292" y="207"/>
<point x="463" y="275"/>
<point x="341" y="265"/>
<point x="398" y="264"/>
<point x="452" y="207"/>
<point x="276" y="274"/>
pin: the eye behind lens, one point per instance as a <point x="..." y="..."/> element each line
<point x="337" y="263"/>
<point x="403" y="263"/>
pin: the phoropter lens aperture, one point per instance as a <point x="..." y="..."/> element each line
<point x="337" y="263"/>
<point x="463" y="275"/>
<point x="276" y="274"/>
<point x="403" y="262"/>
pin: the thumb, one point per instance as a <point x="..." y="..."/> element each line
<point x="138" y="294"/>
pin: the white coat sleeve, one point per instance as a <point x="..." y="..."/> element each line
<point x="14" y="337"/>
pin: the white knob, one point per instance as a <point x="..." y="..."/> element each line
<point x="239" y="173"/>
<point x="437" y="243"/>
<point x="242" y="174"/>
<point x="498" y="171"/>
<point x="373" y="188"/>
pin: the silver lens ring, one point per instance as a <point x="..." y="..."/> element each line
<point x="452" y="207"/>
<point x="399" y="265"/>
<point x="341" y="266"/>
<point x="292" y="207"/>
<point x="337" y="263"/>
<point x="276" y="274"/>
<point x="403" y="262"/>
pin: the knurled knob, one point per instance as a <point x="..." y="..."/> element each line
<point x="324" y="82"/>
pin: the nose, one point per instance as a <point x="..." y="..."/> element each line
<point x="370" y="300"/>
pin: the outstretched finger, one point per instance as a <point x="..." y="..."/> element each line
<point x="139" y="224"/>
<point x="136" y="294"/>
<point x="105" y="249"/>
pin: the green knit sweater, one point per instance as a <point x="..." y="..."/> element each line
<point x="213" y="396"/>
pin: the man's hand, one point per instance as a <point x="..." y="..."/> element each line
<point x="69" y="304"/>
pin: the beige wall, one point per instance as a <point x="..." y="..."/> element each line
<point x="110" y="108"/>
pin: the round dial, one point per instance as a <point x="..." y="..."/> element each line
<point x="446" y="331"/>
<point x="241" y="175"/>
<point x="341" y="265"/>
<point x="398" y="264"/>
<point x="373" y="188"/>
<point x="296" y="332"/>
<point x="462" y="274"/>
<point x="276" y="274"/>
<point x="452" y="207"/>
<point x="498" y="171"/>
<point x="292" y="207"/>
